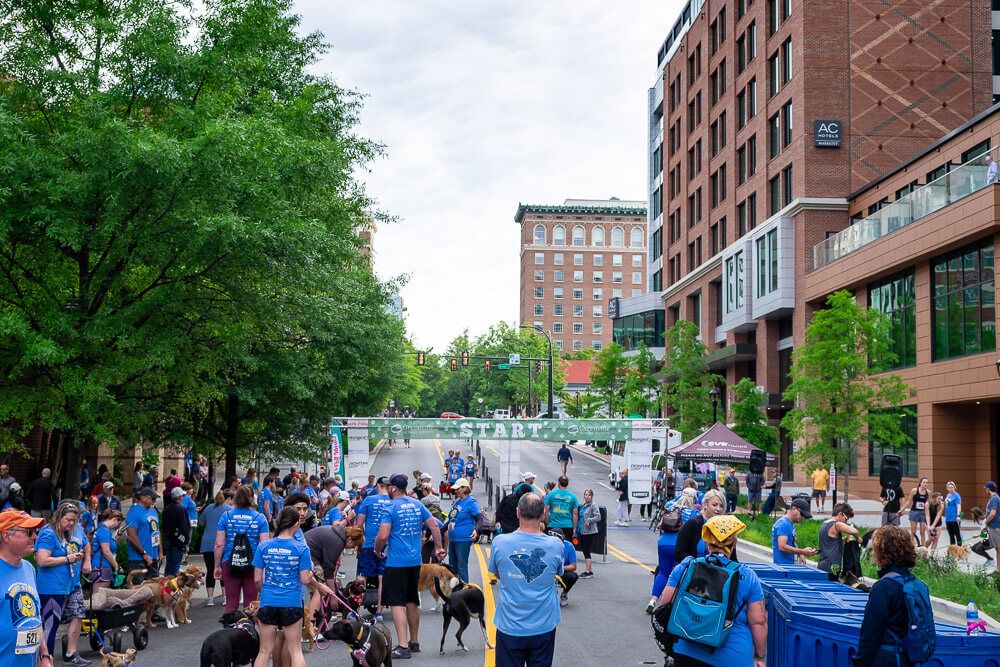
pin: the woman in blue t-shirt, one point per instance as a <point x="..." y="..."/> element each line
<point x="953" y="514"/>
<point x="243" y="519"/>
<point x="104" y="549"/>
<point x="281" y="566"/>
<point x="463" y="519"/>
<point x="59" y="550"/>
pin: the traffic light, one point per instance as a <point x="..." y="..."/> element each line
<point x="465" y="358"/>
<point x="489" y="364"/>
<point x="420" y="358"/>
<point x="538" y="367"/>
<point x="454" y="364"/>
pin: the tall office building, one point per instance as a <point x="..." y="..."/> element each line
<point x="574" y="257"/>
<point x="766" y="117"/>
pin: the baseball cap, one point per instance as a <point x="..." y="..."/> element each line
<point x="992" y="486"/>
<point x="343" y="495"/>
<point x="425" y="478"/>
<point x="177" y="492"/>
<point x="383" y="481"/>
<point x="460" y="483"/>
<point x="15" y="487"/>
<point x="146" y="491"/>
<point x="802" y="505"/>
<point x="399" y="481"/>
<point x="109" y="485"/>
<point x="18" y="519"/>
<point x="528" y="475"/>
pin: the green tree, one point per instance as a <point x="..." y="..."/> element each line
<point x="838" y="386"/>
<point x="434" y="378"/>
<point x="688" y="380"/>
<point x="509" y="388"/>
<point x="750" y="422"/>
<point x="581" y="406"/>
<point x="175" y="182"/>
<point x="607" y="378"/>
<point x="641" y="388"/>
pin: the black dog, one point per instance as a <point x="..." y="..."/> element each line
<point x="463" y="604"/>
<point x="487" y="529"/>
<point x="234" y="645"/>
<point x="368" y="642"/>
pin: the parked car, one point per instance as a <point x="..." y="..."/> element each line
<point x="501" y="414"/>
<point x="451" y="415"/>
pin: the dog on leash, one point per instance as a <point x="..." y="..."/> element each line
<point x="462" y="605"/>
<point x="369" y="642"/>
<point x="237" y="643"/>
<point x="168" y="592"/>
<point x="112" y="659"/>
<point x="430" y="574"/>
<point x="959" y="552"/>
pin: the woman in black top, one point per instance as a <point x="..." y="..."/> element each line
<point x="893" y="552"/>
<point x="917" y="503"/>
<point x="689" y="537"/>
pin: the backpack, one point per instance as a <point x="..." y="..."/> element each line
<point x="241" y="557"/>
<point x="670" y="520"/>
<point x="704" y="607"/>
<point x="920" y="640"/>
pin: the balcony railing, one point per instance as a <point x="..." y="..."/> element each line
<point x="934" y="196"/>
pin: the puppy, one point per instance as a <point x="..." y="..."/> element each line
<point x="923" y="552"/>
<point x="463" y="604"/>
<point x="959" y="552"/>
<point x="431" y="573"/>
<point x="369" y="642"/>
<point x="309" y="629"/>
<point x="237" y="643"/>
<point x="112" y="659"/>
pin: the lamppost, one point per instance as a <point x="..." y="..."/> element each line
<point x="998" y="367"/>
<point x="714" y="393"/>
<point x="549" y="339"/>
<point x="480" y="401"/>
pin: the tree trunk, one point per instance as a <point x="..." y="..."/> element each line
<point x="72" y="457"/>
<point x="232" y="433"/>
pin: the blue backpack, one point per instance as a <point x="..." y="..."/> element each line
<point x="920" y="640"/>
<point x="704" y="607"/>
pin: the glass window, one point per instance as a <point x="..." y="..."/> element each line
<point x="557" y="310"/>
<point x="539" y="258"/>
<point x="598" y="327"/>
<point x="616" y="277"/>
<point x="598" y="293"/>
<point x="578" y="236"/>
<point x="558" y="259"/>
<point x="539" y="292"/>
<point x="616" y="293"/>
<point x="597" y="236"/>
<point x="636" y="260"/>
<point x="577" y="311"/>
<point x="598" y="276"/>
<point x="577" y="259"/>
<point x="636" y="240"/>
<point x="577" y="293"/>
<point x="558" y="235"/>
<point x="908" y="452"/>
<point x="577" y="345"/>
<point x="597" y="311"/>
<point x="557" y="292"/>
<point x="578" y="276"/>
<point x="598" y="259"/>
<point x="637" y="277"/>
<point x="896" y="297"/>
<point x="537" y="325"/>
<point x="733" y="277"/>
<point x="597" y="345"/>
<point x="557" y="275"/>
<point x="618" y="237"/>
<point x="557" y="327"/>
<point x="539" y="275"/>
<point x="578" y="327"/>
<point x="558" y="343"/>
<point x="539" y="310"/>
<point x="964" y="310"/>
<point x="539" y="234"/>
<point x="616" y="260"/>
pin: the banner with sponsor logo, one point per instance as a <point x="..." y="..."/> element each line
<point x="336" y="462"/>
<point x="502" y="429"/>
<point x="357" y="451"/>
<point x="639" y="459"/>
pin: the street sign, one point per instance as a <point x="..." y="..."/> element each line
<point x="503" y="367"/>
<point x="514" y="359"/>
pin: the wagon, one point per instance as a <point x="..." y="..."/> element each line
<point x="109" y="625"/>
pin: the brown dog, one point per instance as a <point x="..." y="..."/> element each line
<point x="959" y="551"/>
<point x="168" y="593"/>
<point x="431" y="571"/>
<point x="309" y="629"/>
<point x="112" y="659"/>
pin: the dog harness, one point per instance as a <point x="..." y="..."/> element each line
<point x="169" y="588"/>
<point x="359" y="650"/>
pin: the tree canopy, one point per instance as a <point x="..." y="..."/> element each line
<point x="749" y="422"/>
<point x="686" y="390"/>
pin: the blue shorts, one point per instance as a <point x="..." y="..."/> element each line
<point x="370" y="565"/>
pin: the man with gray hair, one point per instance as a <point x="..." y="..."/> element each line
<point x="6" y="480"/>
<point x="41" y="494"/>
<point x="527" y="563"/>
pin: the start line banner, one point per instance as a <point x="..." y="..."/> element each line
<point x="502" y="429"/>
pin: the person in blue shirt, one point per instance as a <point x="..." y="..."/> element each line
<point x="282" y="565"/>
<point x="746" y="643"/>
<point x="21" y="633"/>
<point x="471" y="471"/>
<point x="371" y="488"/>
<point x="336" y="513"/>
<point x="399" y="534"/>
<point x="665" y="558"/>
<point x="527" y="562"/>
<point x="953" y="514"/>
<point x="369" y="516"/>
<point x="209" y="522"/>
<point x="312" y="490"/>
<point x="456" y="470"/>
<point x="562" y="509"/>
<point x="265" y="500"/>
<point x="88" y="520"/>
<point x="142" y="526"/>
<point x="108" y="500"/>
<point x="564" y="456"/>
<point x="783" y="546"/>
<point x="569" y="577"/>
<point x="61" y="551"/>
<point x="104" y="549"/>
<point x="464" y="518"/>
<point x="243" y="519"/>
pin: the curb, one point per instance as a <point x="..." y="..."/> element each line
<point x="946" y="608"/>
<point x="603" y="458"/>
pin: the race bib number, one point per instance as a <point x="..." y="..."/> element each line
<point x="28" y="641"/>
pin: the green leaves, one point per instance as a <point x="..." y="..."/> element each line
<point x="749" y="421"/>
<point x="687" y="380"/>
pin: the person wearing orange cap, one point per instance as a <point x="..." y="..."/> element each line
<point x="20" y="640"/>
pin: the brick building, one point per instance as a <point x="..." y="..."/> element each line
<point x="765" y="117"/>
<point x="574" y="257"/>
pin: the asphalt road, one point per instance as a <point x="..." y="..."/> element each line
<point x="603" y="624"/>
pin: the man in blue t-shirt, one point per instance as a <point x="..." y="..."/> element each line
<point x="369" y="515"/>
<point x="456" y="470"/>
<point x="402" y="522"/>
<point x="569" y="576"/>
<point x="527" y="563"/>
<point x="783" y="544"/>
<point x="142" y="527"/>
<point x="265" y="500"/>
<point x="21" y="637"/>
<point x="562" y="509"/>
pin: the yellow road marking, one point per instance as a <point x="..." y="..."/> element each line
<point x="489" y="660"/>
<point x="622" y="556"/>
<point x="437" y="446"/>
<point x="493" y="450"/>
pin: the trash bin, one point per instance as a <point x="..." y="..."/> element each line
<point x="765" y="571"/>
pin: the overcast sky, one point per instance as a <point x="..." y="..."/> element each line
<point x="482" y="105"/>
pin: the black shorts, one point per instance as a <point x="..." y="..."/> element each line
<point x="400" y="586"/>
<point x="280" y="616"/>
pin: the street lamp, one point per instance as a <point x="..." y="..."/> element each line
<point x="714" y="393"/>
<point x="998" y="366"/>
<point x="549" y="339"/>
<point x="480" y="401"/>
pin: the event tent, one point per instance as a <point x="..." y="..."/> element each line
<point x="718" y="445"/>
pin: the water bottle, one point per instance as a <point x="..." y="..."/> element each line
<point x="972" y="623"/>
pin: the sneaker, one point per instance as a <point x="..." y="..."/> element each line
<point x="563" y="600"/>
<point x="211" y="602"/>
<point x="587" y="575"/>
<point x="414" y="647"/>
<point x="75" y="659"/>
<point x="379" y="619"/>
<point x="342" y="575"/>
<point x="400" y="653"/>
